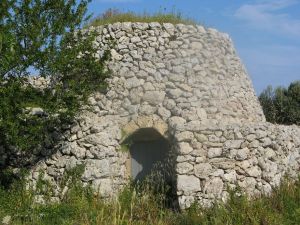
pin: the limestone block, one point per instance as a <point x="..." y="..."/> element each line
<point x="184" y="148"/>
<point x="242" y="154"/>
<point x="103" y="187"/>
<point x="185" y="158"/>
<point x="130" y="127"/>
<point x="214" y="186"/>
<point x="154" y="97"/>
<point x="115" y="55"/>
<point x="223" y="163"/>
<point x="145" y="121"/>
<point x="230" y="176"/>
<point x="184" y="136"/>
<point x="269" y="153"/>
<point x="254" y="171"/>
<point x="202" y="170"/>
<point x="175" y="93"/>
<point x="201" y="137"/>
<point x="233" y="144"/>
<point x="254" y="144"/>
<point x="185" y="201"/>
<point x="214" y="152"/>
<point x="164" y="113"/>
<point x="188" y="184"/>
<point x="96" y="169"/>
<point x="248" y="184"/>
<point x="196" y="46"/>
<point x="160" y="126"/>
<point x="184" y="168"/>
<point x="201" y="114"/>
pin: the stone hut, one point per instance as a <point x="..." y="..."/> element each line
<point x="178" y="90"/>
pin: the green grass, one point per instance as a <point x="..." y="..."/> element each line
<point x="113" y="15"/>
<point x="143" y="205"/>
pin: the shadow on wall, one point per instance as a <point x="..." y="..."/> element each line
<point x="152" y="160"/>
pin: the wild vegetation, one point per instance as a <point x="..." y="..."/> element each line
<point x="44" y="36"/>
<point x="144" y="203"/>
<point x="282" y="105"/>
<point x="114" y="15"/>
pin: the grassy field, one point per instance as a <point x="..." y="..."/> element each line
<point x="114" y="15"/>
<point x="143" y="205"/>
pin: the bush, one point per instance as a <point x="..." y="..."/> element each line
<point x="282" y="105"/>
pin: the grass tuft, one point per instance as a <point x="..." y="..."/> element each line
<point x="142" y="204"/>
<point x="113" y="15"/>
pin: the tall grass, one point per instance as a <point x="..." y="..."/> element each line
<point x="114" y="15"/>
<point x="141" y="204"/>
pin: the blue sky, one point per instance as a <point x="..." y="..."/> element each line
<point x="266" y="33"/>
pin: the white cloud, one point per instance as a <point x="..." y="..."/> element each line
<point x="267" y="16"/>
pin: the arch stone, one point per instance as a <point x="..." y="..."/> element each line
<point x="145" y="122"/>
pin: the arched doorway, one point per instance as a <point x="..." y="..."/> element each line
<point x="152" y="160"/>
<point x="149" y="154"/>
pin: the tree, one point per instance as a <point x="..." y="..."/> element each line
<point x="31" y="31"/>
<point x="46" y="35"/>
<point x="282" y="105"/>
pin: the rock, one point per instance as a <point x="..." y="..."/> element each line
<point x="248" y="184"/>
<point x="196" y="45"/>
<point x="176" y="122"/>
<point x="71" y="163"/>
<point x="184" y="136"/>
<point x="103" y="187"/>
<point x="214" y="152"/>
<point x="254" y="171"/>
<point x="254" y="144"/>
<point x="115" y="55"/>
<point x="184" y="148"/>
<point x="266" y="142"/>
<point x="202" y="170"/>
<point x="175" y="93"/>
<point x="154" y="97"/>
<point x="201" y="137"/>
<point x="184" y="168"/>
<point x="135" y="39"/>
<point x="36" y="111"/>
<point x="188" y="184"/>
<point x="164" y="113"/>
<point x="133" y="82"/>
<point x="6" y="220"/>
<point x="269" y="153"/>
<point x="233" y="144"/>
<point x="230" y="176"/>
<point x="223" y="163"/>
<point x="201" y="114"/>
<point x="242" y="154"/>
<point x="185" y="201"/>
<point x="214" y="186"/>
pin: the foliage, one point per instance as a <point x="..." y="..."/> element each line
<point x="31" y="31"/>
<point x="41" y="34"/>
<point x="282" y="105"/>
<point x="114" y="15"/>
<point x="144" y="205"/>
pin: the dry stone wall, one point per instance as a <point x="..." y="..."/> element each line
<point x="254" y="157"/>
<point x="187" y="83"/>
